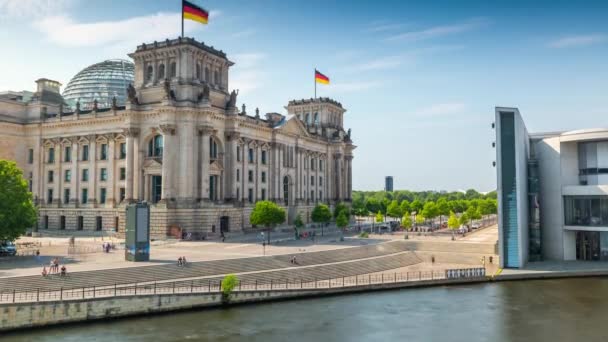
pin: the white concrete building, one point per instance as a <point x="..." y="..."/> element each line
<point x="552" y="192"/>
<point x="180" y="143"/>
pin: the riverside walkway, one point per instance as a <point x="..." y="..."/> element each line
<point x="328" y="264"/>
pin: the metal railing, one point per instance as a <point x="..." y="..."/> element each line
<point x="214" y="286"/>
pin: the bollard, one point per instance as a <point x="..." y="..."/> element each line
<point x="136" y="288"/>
<point x="209" y="285"/>
<point x="256" y="284"/>
<point x="93" y="292"/>
<point x="342" y="281"/>
<point x="154" y="287"/>
<point x="114" y="289"/>
<point x="37" y="295"/>
<point x="60" y="293"/>
<point x="271" y="284"/>
<point x="13" y="295"/>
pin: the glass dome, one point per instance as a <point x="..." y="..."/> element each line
<point x="101" y="82"/>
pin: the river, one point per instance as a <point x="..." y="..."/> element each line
<point x="547" y="310"/>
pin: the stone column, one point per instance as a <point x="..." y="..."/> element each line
<point x="206" y="132"/>
<point x="58" y="174"/>
<point x="349" y="177"/>
<point x="111" y="171"/>
<point x="188" y="160"/>
<point x="131" y="135"/>
<point x="170" y="150"/>
<point x="93" y="170"/>
<point x="231" y="164"/>
<point x="338" y="176"/>
<point x="75" y="181"/>
<point x="146" y="188"/>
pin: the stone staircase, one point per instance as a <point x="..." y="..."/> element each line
<point x="321" y="265"/>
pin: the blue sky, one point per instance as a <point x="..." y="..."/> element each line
<point x="420" y="79"/>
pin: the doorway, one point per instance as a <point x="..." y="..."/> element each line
<point x="587" y="246"/>
<point x="224" y="224"/>
<point x="157" y="186"/>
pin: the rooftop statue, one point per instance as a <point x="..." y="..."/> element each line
<point x="232" y="101"/>
<point x="132" y="94"/>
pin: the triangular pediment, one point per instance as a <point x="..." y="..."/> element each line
<point x="152" y="163"/>
<point x="216" y="167"/>
<point x="294" y="126"/>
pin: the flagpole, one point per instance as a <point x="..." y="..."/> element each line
<point x="182" y="19"/>
<point x="315" y="79"/>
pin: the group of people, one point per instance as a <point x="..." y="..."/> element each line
<point x="181" y="261"/>
<point x="294" y="260"/>
<point x="54" y="268"/>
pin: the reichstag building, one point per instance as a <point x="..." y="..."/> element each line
<point x="167" y="129"/>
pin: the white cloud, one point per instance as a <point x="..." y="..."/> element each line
<point x="64" y="31"/>
<point x="441" y="109"/>
<point x="438" y="31"/>
<point x="579" y="40"/>
<point x="389" y="62"/>
<point x="17" y="9"/>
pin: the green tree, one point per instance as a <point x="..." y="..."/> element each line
<point x="267" y="214"/>
<point x="430" y="210"/>
<point x="321" y="214"/>
<point x="443" y="209"/>
<point x="464" y="219"/>
<point x="229" y="283"/>
<point x="453" y="223"/>
<point x="17" y="211"/>
<point x="420" y="219"/>
<point x="342" y="220"/>
<point x="406" y="222"/>
<point x="379" y="217"/>
<point x="405" y="207"/>
<point x="394" y="210"/>
<point x="372" y="205"/>
<point x="340" y="207"/>
<point x="417" y="206"/>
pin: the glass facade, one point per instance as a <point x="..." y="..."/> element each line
<point x="102" y="82"/>
<point x="589" y="211"/>
<point x="509" y="191"/>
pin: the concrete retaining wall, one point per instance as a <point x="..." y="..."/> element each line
<point x="28" y="315"/>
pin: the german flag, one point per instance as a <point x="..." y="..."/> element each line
<point x="320" y="78"/>
<point x="193" y="12"/>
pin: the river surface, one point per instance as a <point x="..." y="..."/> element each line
<point x="547" y="310"/>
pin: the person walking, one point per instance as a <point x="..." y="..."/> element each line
<point x="44" y="272"/>
<point x="179" y="261"/>
<point x="64" y="271"/>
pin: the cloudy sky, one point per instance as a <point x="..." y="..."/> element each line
<point x="420" y="79"/>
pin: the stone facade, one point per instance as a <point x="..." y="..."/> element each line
<point x="181" y="144"/>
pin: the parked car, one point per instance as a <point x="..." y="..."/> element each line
<point x="475" y="226"/>
<point x="7" y="248"/>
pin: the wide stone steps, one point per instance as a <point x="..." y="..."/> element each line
<point x="167" y="272"/>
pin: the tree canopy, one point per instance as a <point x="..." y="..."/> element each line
<point x="341" y="207"/>
<point x="321" y="214"/>
<point x="379" y="217"/>
<point x="342" y="220"/>
<point x="299" y="223"/>
<point x="406" y="222"/>
<point x="394" y="210"/>
<point x="17" y="211"/>
<point x="453" y="222"/>
<point x="267" y="214"/>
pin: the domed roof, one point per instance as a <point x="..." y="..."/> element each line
<point x="101" y="81"/>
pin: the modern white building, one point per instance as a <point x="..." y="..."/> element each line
<point x="552" y="192"/>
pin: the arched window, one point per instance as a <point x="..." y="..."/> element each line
<point x="198" y="71"/>
<point x="149" y="73"/>
<point x="155" y="146"/>
<point x="307" y="118"/>
<point x="316" y="119"/>
<point x="161" y="72"/>
<point x="286" y="189"/>
<point x="173" y="69"/>
<point x="212" y="148"/>
<point x="207" y="75"/>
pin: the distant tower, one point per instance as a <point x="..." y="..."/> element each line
<point x="388" y="183"/>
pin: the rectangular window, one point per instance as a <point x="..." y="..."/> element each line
<point x="84" y="198"/>
<point x="250" y="195"/>
<point x="51" y="159"/>
<point x="320" y="195"/>
<point x="263" y="194"/>
<point x="320" y="165"/>
<point x="263" y="177"/>
<point x="251" y="155"/>
<point x="312" y="163"/>
<point x="66" y="196"/>
<point x="264" y="157"/>
<point x="250" y="176"/>
<point x="62" y="222"/>
<point x="98" y="223"/>
<point x="80" y="225"/>
<point x="238" y="194"/>
<point x="50" y="176"/>
<point x="85" y="175"/>
<point x="238" y="175"/>
<point x="85" y="152"/>
<point x="312" y="180"/>
<point x="102" y="195"/>
<point x="103" y="155"/>
<point x="67" y="175"/>
<point x="67" y="154"/>
<point x="46" y="221"/>
<point x="123" y="150"/>
<point x="30" y="156"/>
<point x="312" y="195"/>
<point x="320" y="181"/>
<point x="103" y="174"/>
<point x="123" y="173"/>
<point x="122" y="194"/>
<point x="49" y="196"/>
<point x="238" y="153"/>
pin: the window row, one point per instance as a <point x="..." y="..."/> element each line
<point x="79" y="222"/>
<point x="84" y="195"/>
<point x="162" y="73"/>
<point x="103" y="175"/>
<point x="251" y="155"/>
<point x="84" y="153"/>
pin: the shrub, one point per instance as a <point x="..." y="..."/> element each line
<point x="228" y="284"/>
<point x="364" y="235"/>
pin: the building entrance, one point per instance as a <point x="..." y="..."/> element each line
<point x="224" y="224"/>
<point x="588" y="246"/>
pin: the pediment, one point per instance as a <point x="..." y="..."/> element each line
<point x="152" y="163"/>
<point x="294" y="126"/>
<point x="216" y="167"/>
<point x="83" y="140"/>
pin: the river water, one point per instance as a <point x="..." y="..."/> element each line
<point x="547" y="310"/>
